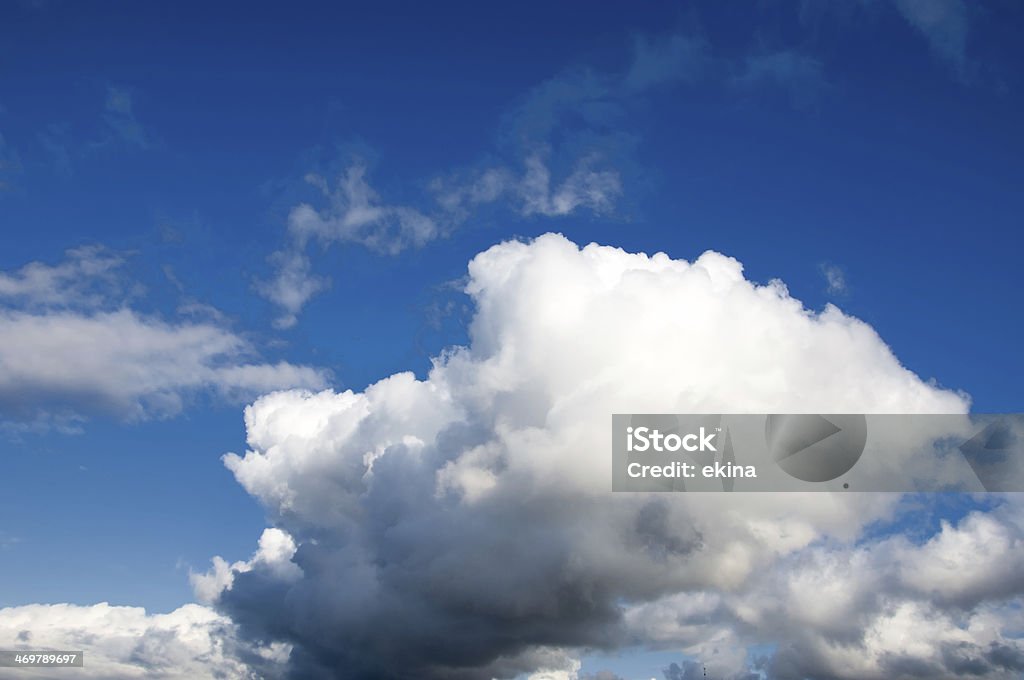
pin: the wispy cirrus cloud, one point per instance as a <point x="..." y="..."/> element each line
<point x="585" y="187"/>
<point x="559" y="159"/>
<point x="563" y="148"/>
<point x="533" y="191"/>
<point x="355" y="213"/>
<point x="352" y="212"/>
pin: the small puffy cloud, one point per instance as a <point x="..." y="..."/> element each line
<point x="292" y="285"/>
<point x="462" y="525"/>
<point x="835" y="279"/>
<point x="355" y="213"/>
<point x="71" y="347"/>
<point x="189" y="643"/>
<point x="588" y="186"/>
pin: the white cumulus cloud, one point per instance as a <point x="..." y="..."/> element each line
<point x="119" y="643"/>
<point x="462" y="525"/>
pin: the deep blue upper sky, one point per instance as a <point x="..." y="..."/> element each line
<point x="800" y="138"/>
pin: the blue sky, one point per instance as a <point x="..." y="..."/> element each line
<point x="869" y="154"/>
